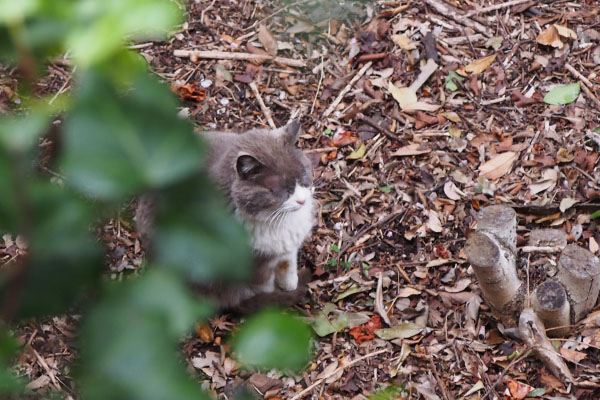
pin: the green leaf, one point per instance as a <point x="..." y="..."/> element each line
<point x="9" y="383"/>
<point x="271" y="339"/>
<point x="402" y="331"/>
<point x="118" y="144"/>
<point x="328" y="132"/>
<point x="14" y="12"/>
<point x="350" y="291"/>
<point x="449" y="81"/>
<point x="129" y="341"/>
<point x="385" y="189"/>
<point x="333" y="262"/>
<point x="346" y="264"/>
<point x="335" y="248"/>
<point x="390" y="393"/>
<point x="539" y="392"/>
<point x="197" y="234"/>
<point x="595" y="214"/>
<point x="596" y="130"/>
<point x="358" y="153"/>
<point x="19" y="134"/>
<point x="103" y="25"/>
<point x="561" y="95"/>
<point x="323" y="325"/>
<point x="63" y="258"/>
<point x="8" y="200"/>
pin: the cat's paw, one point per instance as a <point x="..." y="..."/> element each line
<point x="288" y="282"/>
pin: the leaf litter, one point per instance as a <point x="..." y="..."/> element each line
<point x="486" y="134"/>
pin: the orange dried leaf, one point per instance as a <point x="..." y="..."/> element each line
<point x="189" y="92"/>
<point x="343" y="138"/>
<point x="205" y="332"/>
<point x="550" y="37"/>
<point x="478" y="66"/>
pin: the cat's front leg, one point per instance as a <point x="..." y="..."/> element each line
<point x="268" y="286"/>
<point x="286" y="273"/>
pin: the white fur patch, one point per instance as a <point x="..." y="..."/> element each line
<point x="282" y="232"/>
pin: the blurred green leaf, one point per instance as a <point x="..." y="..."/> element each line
<point x="8" y="201"/>
<point x="561" y="95"/>
<point x="13" y="12"/>
<point x="118" y="144"/>
<point x="20" y="133"/>
<point x="390" y="393"/>
<point x="271" y="339"/>
<point x="595" y="214"/>
<point x="9" y="383"/>
<point x="128" y="342"/>
<point x="324" y="325"/>
<point x="114" y="20"/>
<point x="196" y="233"/>
<point x="63" y="259"/>
<point x="449" y="81"/>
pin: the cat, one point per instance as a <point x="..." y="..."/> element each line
<point x="267" y="181"/>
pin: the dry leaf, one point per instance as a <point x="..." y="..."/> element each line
<point x="548" y="181"/>
<point x="408" y="291"/>
<point x="407" y="99"/>
<point x="379" y="307"/>
<point x="412" y="149"/>
<point x="518" y="390"/>
<point x="550" y="37"/>
<point x="358" y="153"/>
<point x="267" y="40"/>
<point x="593" y="245"/>
<point x="567" y="203"/>
<point x="565" y="32"/>
<point x="404" y="42"/>
<point x="478" y="66"/>
<point x="452" y="192"/>
<point x="572" y="355"/>
<point x="497" y="166"/>
<point x="434" y="223"/>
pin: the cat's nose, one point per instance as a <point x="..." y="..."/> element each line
<point x="301" y="201"/>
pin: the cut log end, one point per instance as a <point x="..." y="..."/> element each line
<point x="579" y="262"/>
<point x="551" y="305"/>
<point x="497" y="215"/>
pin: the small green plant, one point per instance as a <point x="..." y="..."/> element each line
<point x="386" y="188"/>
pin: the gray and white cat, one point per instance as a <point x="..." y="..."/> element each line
<point x="268" y="182"/>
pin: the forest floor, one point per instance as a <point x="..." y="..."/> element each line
<point x="398" y="189"/>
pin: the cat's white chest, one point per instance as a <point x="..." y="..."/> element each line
<point x="281" y="236"/>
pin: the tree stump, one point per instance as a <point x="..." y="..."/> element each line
<point x="556" y="304"/>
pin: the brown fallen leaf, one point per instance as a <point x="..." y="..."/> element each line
<point x="265" y="37"/>
<point x="477" y="66"/>
<point x="550" y="37"/>
<point x="343" y="138"/>
<point x="565" y="32"/>
<point x="518" y="390"/>
<point x="497" y="166"/>
<point x="404" y="42"/>
<point x="412" y="149"/>
<point x="407" y="99"/>
<point x="572" y="355"/>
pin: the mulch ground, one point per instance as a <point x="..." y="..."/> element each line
<point x="398" y="189"/>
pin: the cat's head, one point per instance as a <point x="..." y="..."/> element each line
<point x="271" y="174"/>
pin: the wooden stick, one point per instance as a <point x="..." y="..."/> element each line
<point x="227" y="55"/>
<point x="338" y="99"/>
<point x="263" y="107"/>
<point x="332" y="373"/>
<point x="586" y="85"/>
<point x="495" y="7"/>
<point x="453" y="13"/>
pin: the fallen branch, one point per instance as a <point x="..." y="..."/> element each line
<point x="453" y="13"/>
<point x="263" y="107"/>
<point x="345" y="90"/>
<point x="226" y="55"/>
<point x="495" y="7"/>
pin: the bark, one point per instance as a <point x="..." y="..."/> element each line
<point x="501" y="222"/>
<point x="496" y="272"/>
<point x="579" y="272"/>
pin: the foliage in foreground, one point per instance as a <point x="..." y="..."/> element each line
<point x="120" y="137"/>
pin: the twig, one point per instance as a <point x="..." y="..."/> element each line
<point x="205" y="10"/>
<point x="453" y="13"/>
<point x="46" y="368"/>
<point x="541" y="249"/>
<point x="321" y="150"/>
<point x="275" y="13"/>
<point x="345" y="90"/>
<point x="227" y="55"/>
<point x="366" y="229"/>
<point x="495" y="7"/>
<point x="321" y="65"/>
<point x="578" y="75"/>
<point x="335" y="371"/>
<point x="263" y="107"/>
<point x="379" y="306"/>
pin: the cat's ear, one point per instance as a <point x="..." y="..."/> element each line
<point x="247" y="166"/>
<point x="291" y="132"/>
